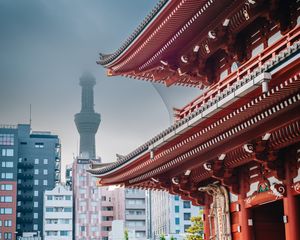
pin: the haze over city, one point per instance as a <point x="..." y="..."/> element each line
<point x="45" y="47"/>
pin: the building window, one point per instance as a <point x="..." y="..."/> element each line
<point x="36" y="182"/>
<point x="45" y="182"/>
<point x="35" y="215"/>
<point x="176" y="197"/>
<point x="177" y="221"/>
<point x="7" y="164"/>
<point x="7" y="223"/>
<point x="68" y="197"/>
<point x="51" y="233"/>
<point x="82" y="228"/>
<point x="35" y="204"/>
<point x="186" y="227"/>
<point x="64" y="233"/>
<point x="7" y="152"/>
<point x="36" y="161"/>
<point x="177" y="231"/>
<point x="5" y="211"/>
<point x="187" y="216"/>
<point x="45" y="171"/>
<point x="35" y="227"/>
<point x="6" y="199"/>
<point x="6" y="187"/>
<point x="39" y="145"/>
<point x="0" y="224"/>
<point x="49" y="197"/>
<point x="68" y="209"/>
<point x="49" y="209"/>
<point x="177" y="209"/>
<point x="36" y="171"/>
<point x="7" y="175"/>
<point x="7" y="235"/>
<point x="36" y="193"/>
<point x="45" y="161"/>
<point x="186" y="204"/>
<point x="6" y="139"/>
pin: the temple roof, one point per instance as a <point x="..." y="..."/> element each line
<point x="109" y="58"/>
<point x="201" y="114"/>
<point x="173" y="38"/>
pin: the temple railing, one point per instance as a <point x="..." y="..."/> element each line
<point x="259" y="60"/>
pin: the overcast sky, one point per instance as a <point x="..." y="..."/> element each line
<point x="45" y="46"/>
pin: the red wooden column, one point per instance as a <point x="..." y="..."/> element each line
<point x="290" y="204"/>
<point x="245" y="213"/>
<point x="206" y="219"/>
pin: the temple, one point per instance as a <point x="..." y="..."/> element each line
<point x="236" y="148"/>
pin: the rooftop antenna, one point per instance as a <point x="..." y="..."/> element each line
<point x="30" y="120"/>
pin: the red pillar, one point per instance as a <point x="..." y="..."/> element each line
<point x="206" y="221"/>
<point x="291" y="207"/>
<point x="245" y="213"/>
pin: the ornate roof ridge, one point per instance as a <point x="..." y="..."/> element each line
<point x="107" y="58"/>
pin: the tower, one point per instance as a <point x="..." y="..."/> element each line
<point x="87" y="121"/>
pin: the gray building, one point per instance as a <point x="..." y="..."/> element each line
<point x="38" y="170"/>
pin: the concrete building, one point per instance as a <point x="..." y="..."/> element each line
<point x="58" y="213"/>
<point x="30" y="164"/>
<point x="170" y="215"/>
<point x="38" y="170"/>
<point x="135" y="212"/>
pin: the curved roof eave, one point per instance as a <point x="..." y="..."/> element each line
<point x="108" y="59"/>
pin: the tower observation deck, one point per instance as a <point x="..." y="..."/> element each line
<point x="87" y="121"/>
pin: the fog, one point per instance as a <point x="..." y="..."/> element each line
<point x="45" y="46"/>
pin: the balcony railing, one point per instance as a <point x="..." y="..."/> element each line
<point x="25" y="175"/>
<point x="25" y="208"/>
<point x="25" y="165"/>
<point x="257" y="61"/>
<point x="25" y="197"/>
<point x="25" y="186"/>
<point x="25" y="219"/>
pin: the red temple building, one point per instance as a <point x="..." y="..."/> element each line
<point x="236" y="148"/>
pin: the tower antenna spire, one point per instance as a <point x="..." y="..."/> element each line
<point x="30" y="120"/>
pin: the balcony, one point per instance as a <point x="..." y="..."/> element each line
<point x="26" y="219"/>
<point x="25" y="197"/>
<point x="266" y="60"/>
<point x="25" y="175"/>
<point x="135" y="206"/>
<point x="135" y="217"/>
<point x="25" y="165"/>
<point x="25" y="208"/>
<point x="25" y="186"/>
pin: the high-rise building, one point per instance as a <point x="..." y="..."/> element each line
<point x="87" y="121"/>
<point x="30" y="164"/>
<point x="58" y="213"/>
<point x="170" y="215"/>
<point x="8" y="180"/>
<point x="38" y="170"/>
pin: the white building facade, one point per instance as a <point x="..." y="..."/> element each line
<point x="58" y="213"/>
